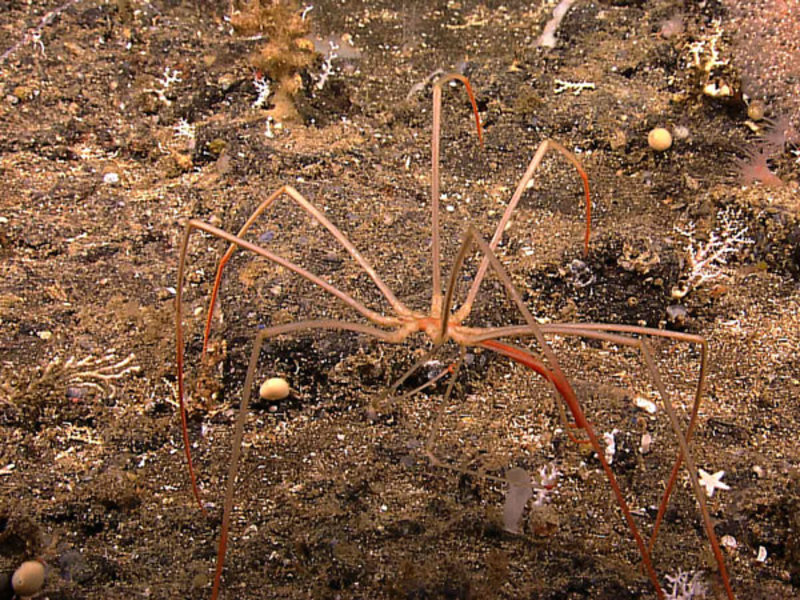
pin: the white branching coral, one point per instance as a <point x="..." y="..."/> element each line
<point x="75" y="377"/>
<point x="99" y="373"/>
<point x="263" y="89"/>
<point x="707" y="260"/>
<point x="705" y="58"/>
<point x="685" y="585"/>
<point x="184" y="129"/>
<point x="327" y="66"/>
<point x="170" y="78"/>
<point x="92" y="372"/>
<point x="548" y="478"/>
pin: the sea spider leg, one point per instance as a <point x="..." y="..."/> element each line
<point x="698" y="391"/>
<point x="610" y="333"/>
<point x="598" y="331"/>
<point x="571" y="328"/>
<point x="392" y="389"/>
<point x="192" y="225"/>
<point x="449" y="370"/>
<point x="520" y="190"/>
<point x="436" y="296"/>
<point x="538" y="156"/>
<point x="329" y="324"/>
<point x="440" y="413"/>
<point x="691" y="467"/>
<point x="398" y="307"/>
<point x="552" y="372"/>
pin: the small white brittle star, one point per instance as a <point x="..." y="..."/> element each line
<point x="712" y="482"/>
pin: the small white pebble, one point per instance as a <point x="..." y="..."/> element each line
<point x="340" y="437"/>
<point x="384" y="508"/>
<point x="111" y="178"/>
<point x="644" y="445"/>
<point x="45" y="335"/>
<point x="759" y="471"/>
<point x="450" y="208"/>
<point x="762" y="554"/>
<point x="275" y="388"/>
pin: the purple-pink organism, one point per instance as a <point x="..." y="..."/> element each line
<point x="780" y="133"/>
<point x="672" y="27"/>
<point x="755" y="167"/>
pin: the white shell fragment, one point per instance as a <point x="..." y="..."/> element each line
<point x="28" y="579"/>
<point x="646" y="405"/>
<point x="729" y="542"/>
<point x="762" y="554"/>
<point x="274" y="388"/>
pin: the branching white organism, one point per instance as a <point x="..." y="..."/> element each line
<point x="685" y="585"/>
<point x="263" y="89"/>
<point x="707" y="260"/>
<point x="327" y="66"/>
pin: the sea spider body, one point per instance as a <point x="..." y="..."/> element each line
<point x="441" y="324"/>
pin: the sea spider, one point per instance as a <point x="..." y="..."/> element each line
<point x="441" y="324"/>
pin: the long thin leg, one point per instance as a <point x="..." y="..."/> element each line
<point x="698" y="393"/>
<point x="392" y="389"/>
<point x="435" y="179"/>
<point x="546" y="145"/>
<point x="685" y="452"/>
<point x="572" y="328"/>
<point x="440" y="413"/>
<point x="521" y="187"/>
<point x="601" y="332"/>
<point x="320" y="217"/>
<point x="238" y="433"/>
<point x="552" y="372"/>
<point x="433" y="380"/>
<point x="237" y="241"/>
<point x="565" y="389"/>
<point x="691" y="468"/>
